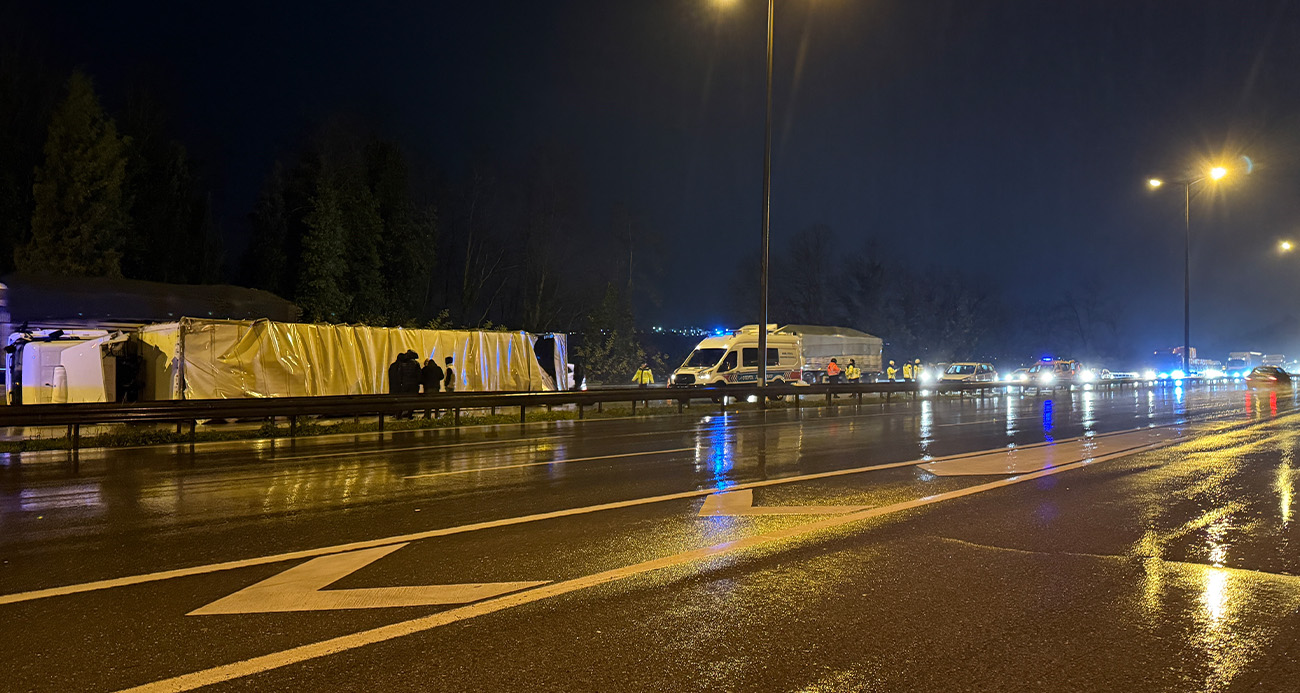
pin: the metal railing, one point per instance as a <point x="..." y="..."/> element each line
<point x="291" y="409"/>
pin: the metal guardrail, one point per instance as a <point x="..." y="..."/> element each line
<point x="190" y="412"/>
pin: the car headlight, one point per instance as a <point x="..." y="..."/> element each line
<point x="1149" y="375"/>
<point x="1087" y="376"/>
<point x="1047" y="378"/>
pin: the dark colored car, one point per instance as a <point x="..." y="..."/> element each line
<point x="1268" y="375"/>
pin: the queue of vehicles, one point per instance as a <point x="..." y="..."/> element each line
<point x="803" y="354"/>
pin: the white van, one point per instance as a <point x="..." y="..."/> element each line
<point x="732" y="359"/>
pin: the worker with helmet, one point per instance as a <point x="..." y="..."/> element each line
<point x="891" y="373"/>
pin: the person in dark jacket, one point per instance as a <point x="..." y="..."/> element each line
<point x="431" y="377"/>
<point x="404" y="378"/>
<point x="449" y="381"/>
<point x="411" y="373"/>
<point x="395" y="386"/>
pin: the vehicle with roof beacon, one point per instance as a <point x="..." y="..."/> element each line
<point x="796" y="355"/>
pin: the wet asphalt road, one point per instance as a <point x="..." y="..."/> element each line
<point x="1170" y="569"/>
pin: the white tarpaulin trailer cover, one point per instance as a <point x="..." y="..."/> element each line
<point x="222" y="359"/>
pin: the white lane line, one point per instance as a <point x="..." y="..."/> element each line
<point x="741" y="503"/>
<point x="550" y="462"/>
<point x="295" y="655"/>
<point x="698" y="428"/>
<point x="447" y="531"/>
<point x="429" y="534"/>
<point x="417" y="448"/>
<point x="1032" y="460"/>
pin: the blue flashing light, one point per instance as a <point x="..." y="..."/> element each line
<point x="1047" y="359"/>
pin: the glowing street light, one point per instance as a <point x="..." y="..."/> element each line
<point x="1213" y="174"/>
<point x="1286" y="246"/>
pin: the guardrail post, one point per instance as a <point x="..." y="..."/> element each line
<point x="194" y="425"/>
<point x="580" y="410"/>
<point x="74" y="437"/>
<point x="494" y="411"/>
<point x="455" y="417"/>
<point x="522" y="410"/>
<point x="679" y="405"/>
<point x="381" y="422"/>
<point x="600" y="407"/>
<point x="293" y="426"/>
<point x="634" y="407"/>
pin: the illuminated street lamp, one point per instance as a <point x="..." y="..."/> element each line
<point x="1286" y="246"/>
<point x="1214" y="174"/>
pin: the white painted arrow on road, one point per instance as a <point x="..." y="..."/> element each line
<point x="733" y="503"/>
<point x="302" y="588"/>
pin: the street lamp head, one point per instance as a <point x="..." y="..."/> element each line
<point x="1218" y="172"/>
<point x="1286" y="246"/>
<point x="1155" y="183"/>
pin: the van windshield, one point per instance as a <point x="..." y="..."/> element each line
<point x="704" y="358"/>
<point x="961" y="369"/>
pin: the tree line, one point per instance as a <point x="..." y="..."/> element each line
<point x="348" y="225"/>
<point x="354" y="228"/>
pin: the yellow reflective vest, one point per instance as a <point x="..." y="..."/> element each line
<point x="907" y="371"/>
<point x="853" y="372"/>
<point x="643" y="377"/>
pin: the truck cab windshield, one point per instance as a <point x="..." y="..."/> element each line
<point x="704" y="358"/>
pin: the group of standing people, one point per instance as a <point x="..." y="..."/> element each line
<point x="407" y="377"/>
<point x="836" y="375"/>
<point x="910" y="372"/>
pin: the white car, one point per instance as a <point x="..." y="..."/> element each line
<point x="969" y="373"/>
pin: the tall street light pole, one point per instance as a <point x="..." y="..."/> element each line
<point x="1214" y="174"/>
<point x="767" y="197"/>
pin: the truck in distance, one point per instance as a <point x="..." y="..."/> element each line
<point x="1241" y="363"/>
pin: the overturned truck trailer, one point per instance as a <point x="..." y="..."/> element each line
<point x="221" y="359"/>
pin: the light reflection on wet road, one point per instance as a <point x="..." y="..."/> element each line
<point x="1167" y="570"/>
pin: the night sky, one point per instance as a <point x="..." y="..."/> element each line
<point x="1012" y="139"/>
